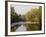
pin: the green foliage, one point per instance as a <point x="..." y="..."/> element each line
<point x="14" y="16"/>
<point x="34" y="15"/>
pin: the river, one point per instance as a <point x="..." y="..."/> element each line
<point x="21" y="26"/>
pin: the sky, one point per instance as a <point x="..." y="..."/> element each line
<point x="23" y="9"/>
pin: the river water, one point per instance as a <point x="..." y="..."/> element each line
<point x="21" y="28"/>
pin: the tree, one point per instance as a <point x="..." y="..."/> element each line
<point x="34" y="15"/>
<point x="14" y="16"/>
